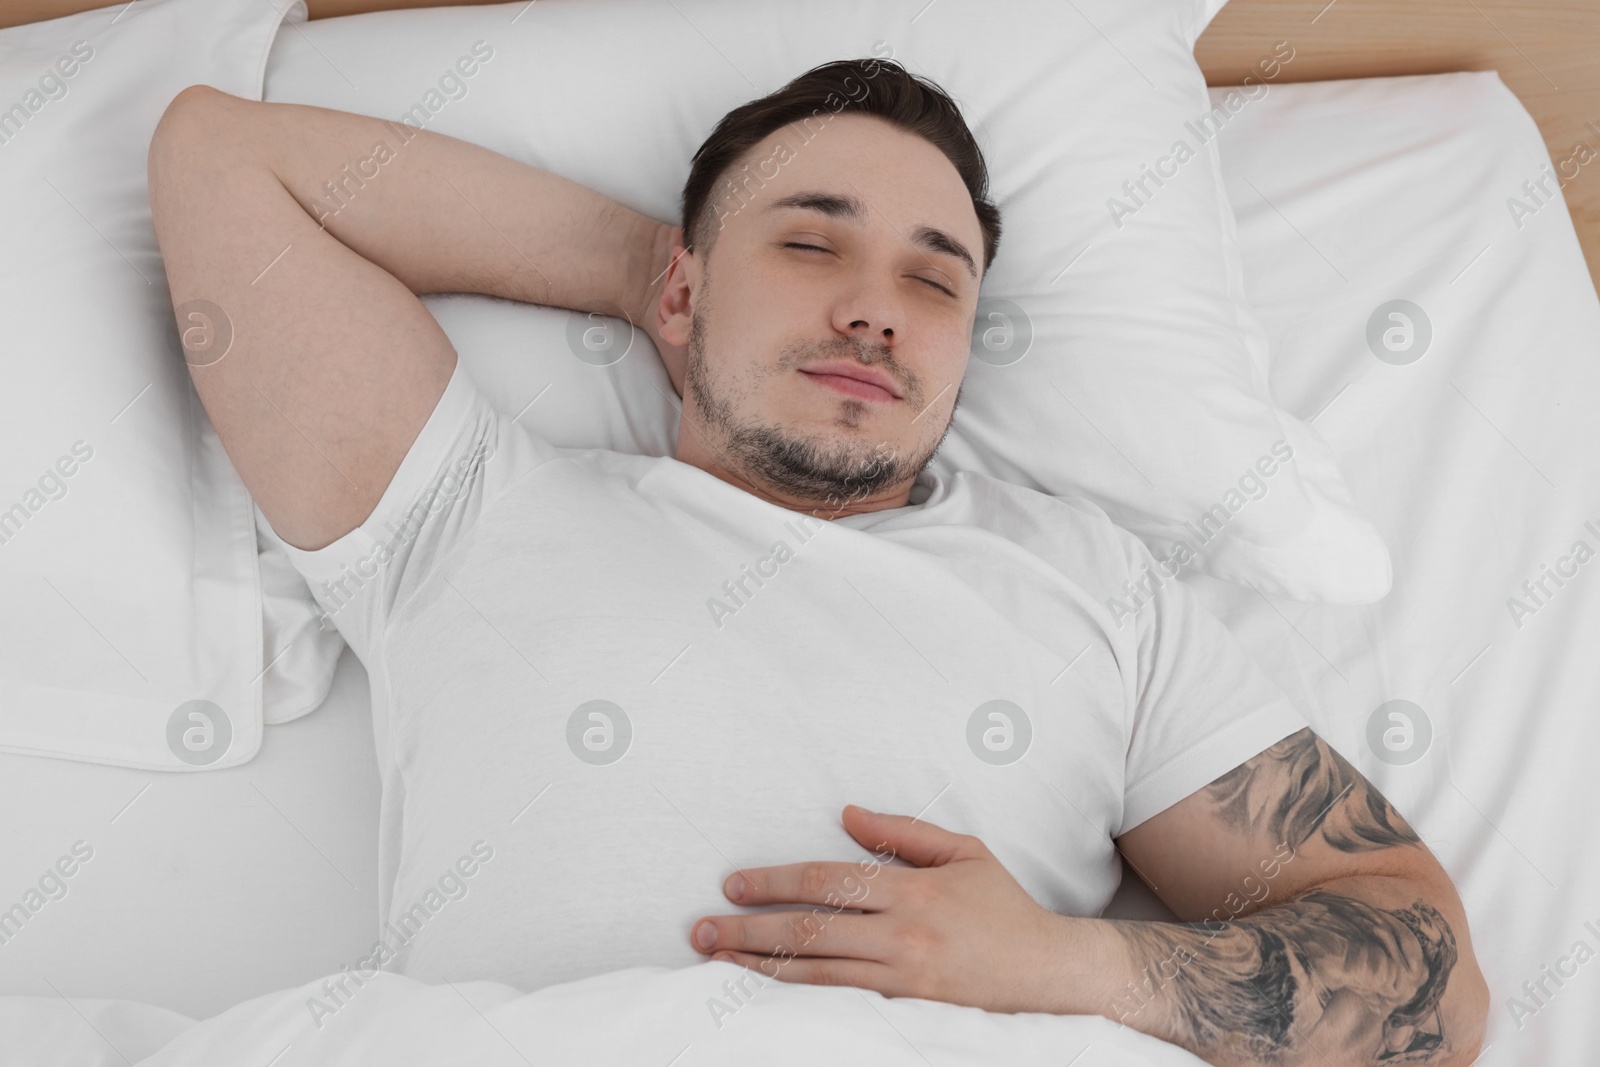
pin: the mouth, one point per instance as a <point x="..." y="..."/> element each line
<point x="852" y="379"/>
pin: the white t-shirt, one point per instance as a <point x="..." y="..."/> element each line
<point x="768" y="668"/>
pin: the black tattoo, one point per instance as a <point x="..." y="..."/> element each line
<point x="1300" y="786"/>
<point x="1259" y="986"/>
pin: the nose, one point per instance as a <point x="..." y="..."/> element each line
<point x="864" y="329"/>
<point x="870" y="312"/>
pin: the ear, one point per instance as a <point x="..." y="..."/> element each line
<point x="676" y="306"/>
<point x="669" y="321"/>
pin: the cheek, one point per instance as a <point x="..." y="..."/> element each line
<point x="737" y="354"/>
<point x="749" y="326"/>
<point x="948" y="366"/>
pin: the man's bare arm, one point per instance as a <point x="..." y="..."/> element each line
<point x="310" y="232"/>
<point x="1321" y="930"/>
<point x="444" y="215"/>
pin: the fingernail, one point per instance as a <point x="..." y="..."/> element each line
<point x="736" y="887"/>
<point x="706" y="936"/>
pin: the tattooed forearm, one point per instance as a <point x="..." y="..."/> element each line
<point x="1366" y="959"/>
<point x="1322" y="976"/>
<point x="1300" y="787"/>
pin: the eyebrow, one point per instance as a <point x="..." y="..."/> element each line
<point x="852" y="209"/>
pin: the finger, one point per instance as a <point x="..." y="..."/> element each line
<point x="862" y="974"/>
<point x="818" y="932"/>
<point x="913" y="840"/>
<point x="861" y="886"/>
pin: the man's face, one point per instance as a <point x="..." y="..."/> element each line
<point x="826" y="354"/>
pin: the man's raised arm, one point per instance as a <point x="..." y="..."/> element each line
<point x="296" y="240"/>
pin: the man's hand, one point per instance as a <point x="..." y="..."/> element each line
<point x="957" y="927"/>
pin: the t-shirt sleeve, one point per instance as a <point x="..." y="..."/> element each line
<point x="465" y="456"/>
<point x="1203" y="705"/>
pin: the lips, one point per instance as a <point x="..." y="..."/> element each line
<point x="850" y="377"/>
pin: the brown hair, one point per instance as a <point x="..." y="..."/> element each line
<point x="910" y="102"/>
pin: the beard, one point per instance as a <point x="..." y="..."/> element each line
<point x="808" y="467"/>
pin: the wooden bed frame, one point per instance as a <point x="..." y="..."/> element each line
<point x="1547" y="52"/>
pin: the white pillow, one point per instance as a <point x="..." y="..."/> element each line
<point x="128" y="549"/>
<point x="1116" y="355"/>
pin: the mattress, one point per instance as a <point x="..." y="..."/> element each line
<point x="1427" y="309"/>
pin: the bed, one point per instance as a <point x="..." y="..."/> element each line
<point x="1465" y="694"/>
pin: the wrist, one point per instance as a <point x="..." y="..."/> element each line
<point x="1086" y="969"/>
<point x="649" y="252"/>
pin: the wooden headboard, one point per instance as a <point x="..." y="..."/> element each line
<point x="1547" y="52"/>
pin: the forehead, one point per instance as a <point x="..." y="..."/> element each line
<point x="902" y="180"/>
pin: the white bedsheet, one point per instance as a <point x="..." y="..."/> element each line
<point x="1478" y="461"/>
<point x="204" y="889"/>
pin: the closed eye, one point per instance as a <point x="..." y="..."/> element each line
<point x="815" y="248"/>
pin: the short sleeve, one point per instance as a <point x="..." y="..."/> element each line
<point x="465" y="456"/>
<point x="1204" y="706"/>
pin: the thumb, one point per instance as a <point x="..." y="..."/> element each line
<point x="913" y="840"/>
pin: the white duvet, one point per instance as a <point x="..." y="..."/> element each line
<point x="713" y="1013"/>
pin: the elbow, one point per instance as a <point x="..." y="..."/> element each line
<point x="1477" y="1017"/>
<point x="194" y="98"/>
<point x="191" y="107"/>
<point x="1463" y="1007"/>
<point x="188" y="127"/>
<point x="1469" y="1014"/>
<point x="1450" y="966"/>
<point x="197" y="141"/>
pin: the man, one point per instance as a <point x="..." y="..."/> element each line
<point x="791" y="613"/>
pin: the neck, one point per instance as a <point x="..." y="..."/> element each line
<point x="829" y="508"/>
